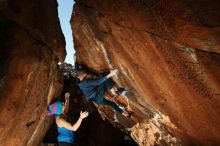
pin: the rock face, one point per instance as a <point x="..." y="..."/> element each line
<point x="167" y="53"/>
<point x="31" y="45"/>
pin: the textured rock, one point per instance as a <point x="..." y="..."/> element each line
<point x="31" y="45"/>
<point x="167" y="53"/>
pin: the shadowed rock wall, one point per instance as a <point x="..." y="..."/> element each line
<point x="167" y="53"/>
<point x="31" y="44"/>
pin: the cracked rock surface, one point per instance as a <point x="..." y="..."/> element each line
<point x="31" y="44"/>
<point x="167" y="53"/>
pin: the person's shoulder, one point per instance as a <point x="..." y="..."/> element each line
<point x="60" y="121"/>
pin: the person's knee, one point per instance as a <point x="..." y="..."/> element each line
<point x="99" y="101"/>
<point x="109" y="84"/>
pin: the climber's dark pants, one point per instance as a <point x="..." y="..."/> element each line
<point x="65" y="144"/>
<point x="100" y="98"/>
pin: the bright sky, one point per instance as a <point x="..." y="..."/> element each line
<point x="65" y="11"/>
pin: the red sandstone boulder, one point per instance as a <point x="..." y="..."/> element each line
<point x="167" y="53"/>
<point x="31" y="44"/>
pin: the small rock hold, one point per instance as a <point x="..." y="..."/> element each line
<point x="28" y="124"/>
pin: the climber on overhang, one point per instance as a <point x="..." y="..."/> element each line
<point x="94" y="89"/>
<point x="65" y="129"/>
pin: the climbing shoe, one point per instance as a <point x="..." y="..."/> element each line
<point x="127" y="113"/>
